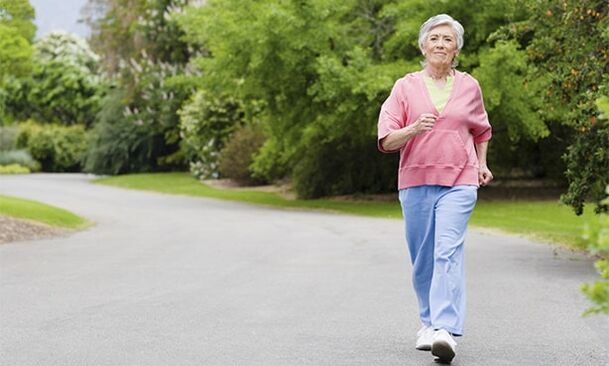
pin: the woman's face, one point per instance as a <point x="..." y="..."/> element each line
<point x="440" y="47"/>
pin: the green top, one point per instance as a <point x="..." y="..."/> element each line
<point x="439" y="96"/>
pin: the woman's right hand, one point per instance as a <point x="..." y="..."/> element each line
<point x="424" y="123"/>
<point x="395" y="140"/>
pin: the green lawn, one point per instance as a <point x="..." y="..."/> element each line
<point x="542" y="220"/>
<point x="36" y="211"/>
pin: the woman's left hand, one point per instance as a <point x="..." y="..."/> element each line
<point x="484" y="175"/>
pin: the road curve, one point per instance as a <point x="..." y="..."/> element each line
<point x="171" y="280"/>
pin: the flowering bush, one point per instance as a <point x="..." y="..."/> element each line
<point x="64" y="86"/>
<point x="205" y="124"/>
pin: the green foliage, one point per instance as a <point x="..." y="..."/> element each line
<point x="598" y="238"/>
<point x="15" y="53"/>
<point x="568" y="51"/>
<point x="237" y="155"/>
<point x="120" y="144"/>
<point x="337" y="153"/>
<point x="122" y="30"/>
<point x="512" y="104"/>
<point x="479" y="18"/>
<point x="64" y="86"/>
<point x="514" y="107"/>
<point x="18" y="157"/>
<point x="8" y="137"/>
<point x="57" y="148"/>
<point x="19" y="15"/>
<point x="294" y="43"/>
<point x="206" y="121"/>
<point x="322" y="70"/>
<point x="138" y="127"/>
<point x="588" y="167"/>
<point x="17" y="31"/>
<point x="160" y="30"/>
<point x="13" y="169"/>
<point x="588" y="161"/>
<point x="154" y="97"/>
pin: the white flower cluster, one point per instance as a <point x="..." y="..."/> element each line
<point x="67" y="47"/>
<point x="72" y="53"/>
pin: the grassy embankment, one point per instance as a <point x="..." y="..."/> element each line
<point x="36" y="211"/>
<point x="541" y="220"/>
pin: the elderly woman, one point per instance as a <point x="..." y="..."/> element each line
<point x="436" y="119"/>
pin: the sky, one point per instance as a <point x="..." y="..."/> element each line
<point x="59" y="15"/>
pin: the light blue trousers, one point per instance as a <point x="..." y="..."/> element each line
<point x="436" y="220"/>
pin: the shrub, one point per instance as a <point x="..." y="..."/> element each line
<point x="19" y="157"/>
<point x="8" y="137"/>
<point x="13" y="169"/>
<point x="237" y="155"/>
<point x="205" y="124"/>
<point x="336" y="163"/>
<point x="598" y="242"/>
<point x="118" y="144"/>
<point x="137" y="128"/>
<point x="57" y="148"/>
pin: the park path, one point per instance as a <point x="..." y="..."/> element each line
<point x="170" y="280"/>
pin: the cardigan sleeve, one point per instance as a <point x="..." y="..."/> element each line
<point x="482" y="130"/>
<point x="393" y="114"/>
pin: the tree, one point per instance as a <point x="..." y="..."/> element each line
<point x="322" y="69"/>
<point x="16" y="34"/>
<point x="18" y="14"/>
<point x="122" y="30"/>
<point x="149" y="82"/>
<point x="17" y="31"/>
<point x="113" y="26"/>
<point x="570" y="61"/>
<point x="64" y="86"/>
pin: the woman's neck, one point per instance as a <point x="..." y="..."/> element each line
<point x="438" y="72"/>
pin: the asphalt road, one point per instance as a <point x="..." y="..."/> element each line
<point x="169" y="280"/>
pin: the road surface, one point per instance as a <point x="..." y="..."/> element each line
<point x="171" y="280"/>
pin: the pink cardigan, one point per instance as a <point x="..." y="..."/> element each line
<point x="445" y="155"/>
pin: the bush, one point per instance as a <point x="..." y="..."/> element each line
<point x="342" y="165"/>
<point x="137" y="128"/>
<point x="598" y="243"/>
<point x="19" y="157"/>
<point x="8" y="138"/>
<point x="205" y="124"/>
<point x="237" y="155"/>
<point x="57" y="148"/>
<point x="13" y="169"/>
<point x="118" y="144"/>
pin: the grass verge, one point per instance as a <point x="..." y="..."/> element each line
<point x="36" y="211"/>
<point x="541" y="220"/>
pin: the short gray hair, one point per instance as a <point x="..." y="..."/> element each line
<point x="437" y="20"/>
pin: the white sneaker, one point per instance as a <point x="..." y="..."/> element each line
<point x="443" y="346"/>
<point x="424" y="338"/>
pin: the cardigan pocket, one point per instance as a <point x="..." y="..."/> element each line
<point x="437" y="148"/>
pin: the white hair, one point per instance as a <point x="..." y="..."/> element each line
<point x="441" y="19"/>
